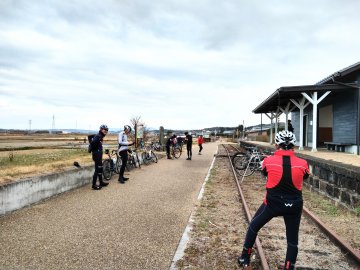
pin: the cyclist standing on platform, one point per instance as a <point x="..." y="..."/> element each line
<point x="188" y="140"/>
<point x="170" y="141"/>
<point x="97" y="153"/>
<point x="123" y="152"/>
<point x="200" y="143"/>
<point x="285" y="173"/>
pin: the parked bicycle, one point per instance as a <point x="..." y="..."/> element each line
<point x="240" y="159"/>
<point x="133" y="159"/>
<point x="175" y="151"/>
<point x="247" y="163"/>
<point x="148" y="155"/>
<point x="156" y="146"/>
<point x="112" y="164"/>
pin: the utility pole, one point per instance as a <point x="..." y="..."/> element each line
<point x="243" y="135"/>
<point x="53" y="124"/>
<point x="29" y="126"/>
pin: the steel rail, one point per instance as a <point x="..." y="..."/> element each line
<point x="264" y="263"/>
<point x="354" y="254"/>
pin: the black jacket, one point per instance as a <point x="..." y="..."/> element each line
<point x="96" y="142"/>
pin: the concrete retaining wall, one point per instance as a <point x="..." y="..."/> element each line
<point x="31" y="190"/>
<point x="337" y="181"/>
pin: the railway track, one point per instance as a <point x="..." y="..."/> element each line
<point x="317" y="249"/>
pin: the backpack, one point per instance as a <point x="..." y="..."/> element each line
<point x="90" y="138"/>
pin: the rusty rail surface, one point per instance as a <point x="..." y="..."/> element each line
<point x="354" y="254"/>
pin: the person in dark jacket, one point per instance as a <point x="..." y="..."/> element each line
<point x="170" y="142"/>
<point x="290" y="126"/>
<point x="188" y="140"/>
<point x="97" y="153"/>
<point x="285" y="173"/>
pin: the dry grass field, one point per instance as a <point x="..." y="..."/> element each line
<point x="27" y="155"/>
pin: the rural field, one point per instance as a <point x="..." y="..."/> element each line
<point x="23" y="155"/>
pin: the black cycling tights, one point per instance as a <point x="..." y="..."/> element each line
<point x="97" y="158"/>
<point x="189" y="150"/>
<point x="124" y="158"/>
<point x="291" y="215"/>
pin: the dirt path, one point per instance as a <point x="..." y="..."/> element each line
<point x="133" y="226"/>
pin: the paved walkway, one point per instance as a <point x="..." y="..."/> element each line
<point x="137" y="225"/>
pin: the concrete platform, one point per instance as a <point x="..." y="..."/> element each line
<point x="136" y="225"/>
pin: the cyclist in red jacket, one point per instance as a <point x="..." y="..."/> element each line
<point x="285" y="173"/>
<point x="200" y="141"/>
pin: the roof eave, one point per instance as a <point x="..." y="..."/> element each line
<point x="265" y="101"/>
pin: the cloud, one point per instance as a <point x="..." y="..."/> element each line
<point x="180" y="64"/>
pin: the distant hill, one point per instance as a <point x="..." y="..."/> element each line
<point x="82" y="131"/>
<point x="218" y="129"/>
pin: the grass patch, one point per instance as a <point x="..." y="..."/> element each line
<point x="203" y="225"/>
<point x="329" y="208"/>
<point x="323" y="204"/>
<point x="17" y="164"/>
<point x="39" y="158"/>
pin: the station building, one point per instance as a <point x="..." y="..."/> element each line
<point x="326" y="113"/>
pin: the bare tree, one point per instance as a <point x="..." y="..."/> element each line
<point x="136" y="122"/>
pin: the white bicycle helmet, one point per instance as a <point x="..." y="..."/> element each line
<point x="127" y="127"/>
<point x="285" y="139"/>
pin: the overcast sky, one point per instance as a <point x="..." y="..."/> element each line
<point x="176" y="63"/>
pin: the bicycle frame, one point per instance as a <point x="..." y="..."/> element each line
<point x="148" y="155"/>
<point x="109" y="165"/>
<point x="254" y="163"/>
<point x="133" y="159"/>
<point x="175" y="151"/>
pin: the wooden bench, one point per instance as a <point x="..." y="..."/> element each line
<point x="339" y="147"/>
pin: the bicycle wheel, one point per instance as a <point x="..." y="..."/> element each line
<point x="240" y="161"/>
<point x="145" y="159"/>
<point x="137" y="160"/>
<point x="132" y="161"/>
<point x="118" y="165"/>
<point x="176" y="152"/>
<point x="249" y="169"/>
<point x="107" y="172"/>
<point x="154" y="157"/>
<point x="157" y="146"/>
<point x="128" y="167"/>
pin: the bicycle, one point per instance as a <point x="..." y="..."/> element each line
<point x="156" y="146"/>
<point x="149" y="156"/>
<point x="180" y="146"/>
<point x="247" y="164"/>
<point x="133" y="160"/>
<point x="111" y="164"/>
<point x="175" y="151"/>
<point x="240" y="159"/>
